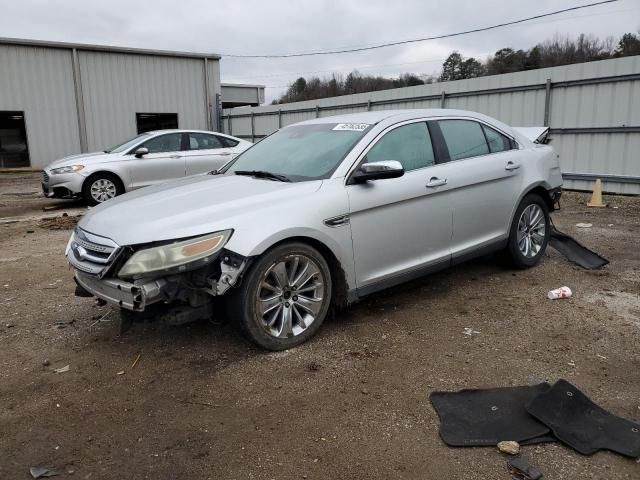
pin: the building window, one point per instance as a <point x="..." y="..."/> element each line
<point x="13" y="140"/>
<point x="148" y="122"/>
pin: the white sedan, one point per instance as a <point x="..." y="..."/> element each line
<point x="147" y="159"/>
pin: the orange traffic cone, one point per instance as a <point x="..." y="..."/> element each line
<point x="596" y="197"/>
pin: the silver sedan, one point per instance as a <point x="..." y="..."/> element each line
<point x="146" y="159"/>
<point x="319" y="214"/>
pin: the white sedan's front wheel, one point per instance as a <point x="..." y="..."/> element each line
<point x="101" y="187"/>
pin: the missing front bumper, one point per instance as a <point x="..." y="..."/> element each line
<point x="131" y="296"/>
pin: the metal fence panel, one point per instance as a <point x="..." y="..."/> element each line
<point x="593" y="110"/>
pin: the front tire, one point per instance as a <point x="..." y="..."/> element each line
<point x="284" y="298"/>
<point x="529" y="233"/>
<point x="100" y="187"/>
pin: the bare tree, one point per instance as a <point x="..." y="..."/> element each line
<point x="555" y="51"/>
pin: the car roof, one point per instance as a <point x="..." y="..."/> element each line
<point x="385" y="118"/>
<point x="399" y="115"/>
<point x="181" y="130"/>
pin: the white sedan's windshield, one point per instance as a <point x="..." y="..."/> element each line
<point x="121" y="147"/>
<point x="301" y="152"/>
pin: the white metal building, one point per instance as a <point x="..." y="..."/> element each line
<point x="58" y="99"/>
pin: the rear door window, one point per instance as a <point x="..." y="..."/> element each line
<point x="227" y="142"/>
<point x="497" y="141"/>
<point x="409" y="144"/>
<point x="204" y="141"/>
<point x="464" y="138"/>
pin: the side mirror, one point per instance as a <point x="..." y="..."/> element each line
<point x="377" y="171"/>
<point x="142" y="151"/>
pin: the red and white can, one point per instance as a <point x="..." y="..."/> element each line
<point x="562" y="292"/>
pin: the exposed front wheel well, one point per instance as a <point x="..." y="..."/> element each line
<point x="544" y="194"/>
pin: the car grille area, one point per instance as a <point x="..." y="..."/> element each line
<point x="91" y="253"/>
<point x="45" y="177"/>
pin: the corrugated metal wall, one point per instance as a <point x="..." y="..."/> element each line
<point x="245" y="94"/>
<point x="113" y="87"/>
<point x="593" y="111"/>
<point x="39" y="82"/>
<point x="116" y="86"/>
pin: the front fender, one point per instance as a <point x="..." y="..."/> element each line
<point x="337" y="240"/>
<point x="261" y="230"/>
<point x="113" y="168"/>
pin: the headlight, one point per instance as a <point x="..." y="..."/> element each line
<point x="69" y="169"/>
<point x="175" y="256"/>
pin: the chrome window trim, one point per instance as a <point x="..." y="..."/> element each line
<point x="377" y="138"/>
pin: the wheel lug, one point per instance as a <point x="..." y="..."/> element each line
<point x="295" y="298"/>
<point x="287" y="304"/>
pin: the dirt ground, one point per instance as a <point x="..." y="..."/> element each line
<point x="353" y="403"/>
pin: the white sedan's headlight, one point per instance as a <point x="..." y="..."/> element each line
<point x="68" y="169"/>
<point x="175" y="256"/>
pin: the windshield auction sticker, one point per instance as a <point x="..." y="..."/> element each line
<point x="351" y="127"/>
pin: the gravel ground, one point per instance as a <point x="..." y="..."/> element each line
<point x="353" y="403"/>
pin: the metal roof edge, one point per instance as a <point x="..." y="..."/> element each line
<point x="241" y="85"/>
<point x="104" y="48"/>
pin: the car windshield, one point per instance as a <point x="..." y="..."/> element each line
<point x="301" y="152"/>
<point x="121" y="147"/>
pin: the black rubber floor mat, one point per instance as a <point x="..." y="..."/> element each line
<point x="543" y="439"/>
<point x="485" y="417"/>
<point x="521" y="468"/>
<point x="583" y="425"/>
<point x="574" y="251"/>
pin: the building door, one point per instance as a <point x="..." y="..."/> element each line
<point x="13" y="140"/>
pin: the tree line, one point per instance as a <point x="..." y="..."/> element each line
<point x="551" y="53"/>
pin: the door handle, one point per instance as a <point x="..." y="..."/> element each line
<point x="175" y="156"/>
<point x="436" y="182"/>
<point x="512" y="166"/>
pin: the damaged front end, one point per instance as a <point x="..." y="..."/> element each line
<point x="174" y="282"/>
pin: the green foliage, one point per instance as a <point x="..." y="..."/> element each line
<point x="628" y="45"/>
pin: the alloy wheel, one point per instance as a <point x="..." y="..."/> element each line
<point x="531" y="230"/>
<point x="102" y="190"/>
<point x="290" y="296"/>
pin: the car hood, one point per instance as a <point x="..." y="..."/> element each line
<point x="83" y="159"/>
<point x="192" y="206"/>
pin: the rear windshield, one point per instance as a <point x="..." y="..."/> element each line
<point x="302" y="152"/>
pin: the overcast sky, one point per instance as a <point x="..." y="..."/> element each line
<point x="280" y="26"/>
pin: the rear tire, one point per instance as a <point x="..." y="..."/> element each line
<point x="284" y="297"/>
<point x="529" y="234"/>
<point x="100" y="187"/>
